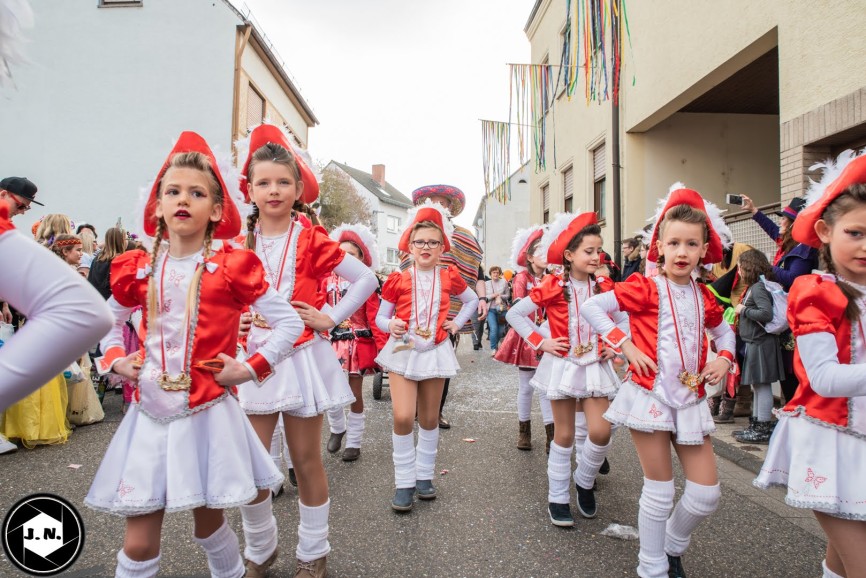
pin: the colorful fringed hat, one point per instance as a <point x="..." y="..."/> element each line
<point x="847" y="169"/>
<point x="560" y="233"/>
<point x="429" y="211"/>
<point x="363" y="238"/>
<point x="230" y="223"/>
<point x="268" y="133"/>
<point x="456" y="198"/>
<point x="520" y="245"/>
<point x="719" y="234"/>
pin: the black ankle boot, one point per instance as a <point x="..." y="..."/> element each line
<point x="675" y="567"/>
<point x="759" y="434"/>
<point x="740" y="432"/>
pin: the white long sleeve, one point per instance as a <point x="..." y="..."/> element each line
<point x="470" y="304"/>
<point x="114" y="338"/>
<point x="362" y="284"/>
<point x="519" y="317"/>
<point x="383" y="317"/>
<point x="598" y="310"/>
<point x="724" y="338"/>
<point x="285" y="324"/>
<point x="65" y="316"/>
<point x="827" y="376"/>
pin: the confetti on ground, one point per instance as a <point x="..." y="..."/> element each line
<point x="469" y="440"/>
<point x="74" y="466"/>
<point x="621" y="532"/>
<point x="443" y="472"/>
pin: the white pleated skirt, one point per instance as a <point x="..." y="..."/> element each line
<point x="437" y="362"/>
<point x="823" y="468"/>
<point x="636" y="409"/>
<point x="308" y="382"/>
<point x="211" y="458"/>
<point x="559" y="378"/>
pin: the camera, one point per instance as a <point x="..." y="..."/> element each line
<point x="734" y="199"/>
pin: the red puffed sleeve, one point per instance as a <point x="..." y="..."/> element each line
<point x="634" y="294"/>
<point x="713" y="312"/>
<point x="458" y="284"/>
<point x="371" y="309"/>
<point x="392" y="288"/>
<point x="244" y="274"/>
<point x="815" y="305"/>
<point x="605" y="284"/>
<point x="547" y="292"/>
<point x="130" y="273"/>
<point x="325" y="253"/>
<point x="518" y="286"/>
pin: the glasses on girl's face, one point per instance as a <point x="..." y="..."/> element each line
<point x="419" y="244"/>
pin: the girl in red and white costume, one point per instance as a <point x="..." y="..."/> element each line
<point x="575" y="370"/>
<point x="185" y="443"/>
<point x="419" y="356"/>
<point x="296" y="256"/>
<point x="355" y="341"/>
<point x="513" y="349"/>
<point x="818" y="448"/>
<point x="664" y="400"/>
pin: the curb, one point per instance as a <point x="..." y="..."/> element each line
<point x="739" y="456"/>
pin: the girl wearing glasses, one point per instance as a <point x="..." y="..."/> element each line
<point x="419" y="357"/>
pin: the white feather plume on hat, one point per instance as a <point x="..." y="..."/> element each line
<point x="712" y="210"/>
<point x="370" y="247"/>
<point x="517" y="244"/>
<point x="831" y="168"/>
<point x="446" y="216"/>
<point x="554" y="229"/>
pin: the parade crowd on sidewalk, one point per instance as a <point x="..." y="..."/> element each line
<point x="235" y="323"/>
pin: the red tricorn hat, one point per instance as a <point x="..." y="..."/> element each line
<point x="363" y="238"/>
<point x="562" y="231"/>
<point x="433" y="212"/>
<point x="268" y="133"/>
<point x="230" y="223"/>
<point x="680" y="195"/>
<point x="853" y="171"/>
<point x="522" y="240"/>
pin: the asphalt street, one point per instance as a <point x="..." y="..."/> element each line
<point x="490" y="517"/>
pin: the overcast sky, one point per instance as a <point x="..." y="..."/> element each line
<point x="402" y="82"/>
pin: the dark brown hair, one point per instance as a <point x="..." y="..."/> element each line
<point x="684" y="214"/>
<point x="530" y="252"/>
<point x="853" y="196"/>
<point x="752" y="265"/>
<point x="588" y="231"/>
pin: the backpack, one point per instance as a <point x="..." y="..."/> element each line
<point x="779" y="323"/>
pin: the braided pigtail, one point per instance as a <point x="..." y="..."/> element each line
<point x="566" y="272"/>
<point x="301" y="207"/>
<point x="252" y="221"/>
<point x="151" y="284"/>
<point x="852" y="311"/>
<point x="208" y="239"/>
<point x="596" y="288"/>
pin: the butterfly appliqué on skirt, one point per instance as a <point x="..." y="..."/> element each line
<point x="815" y="479"/>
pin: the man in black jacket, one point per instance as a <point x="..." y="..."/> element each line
<point x="630" y="257"/>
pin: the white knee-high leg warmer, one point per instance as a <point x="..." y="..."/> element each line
<point x="313" y="532"/>
<point x="590" y="462"/>
<point x="558" y="474"/>
<point x="260" y="531"/>
<point x="223" y="553"/>
<point x="404" y="460"/>
<point x="580" y="433"/>
<point x="696" y="504"/>
<point x="277" y="446"/>
<point x="127" y="568"/>
<point x="546" y="410"/>
<point x="337" y="419"/>
<point x="656" y="503"/>
<point x="425" y="453"/>
<point x="827" y="572"/>
<point x="355" y="429"/>
<point x="524" y="395"/>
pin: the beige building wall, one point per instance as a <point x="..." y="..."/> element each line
<point x="683" y="49"/>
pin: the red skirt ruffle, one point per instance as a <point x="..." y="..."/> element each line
<point x="515" y="351"/>
<point x="356" y="356"/>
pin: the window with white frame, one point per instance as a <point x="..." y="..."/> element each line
<point x="599" y="173"/>
<point x="568" y="188"/>
<point x="394" y="224"/>
<point x="393" y="256"/>
<point x="545" y="203"/>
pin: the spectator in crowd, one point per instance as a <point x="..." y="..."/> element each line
<point x="792" y="260"/>
<point x="631" y="258"/>
<point x="100" y="267"/>
<point x="51" y="226"/>
<point x="88" y="249"/>
<point x="498" y="296"/>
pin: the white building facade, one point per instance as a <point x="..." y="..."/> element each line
<point x="495" y="223"/>
<point x="388" y="206"/>
<point x="110" y="85"/>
